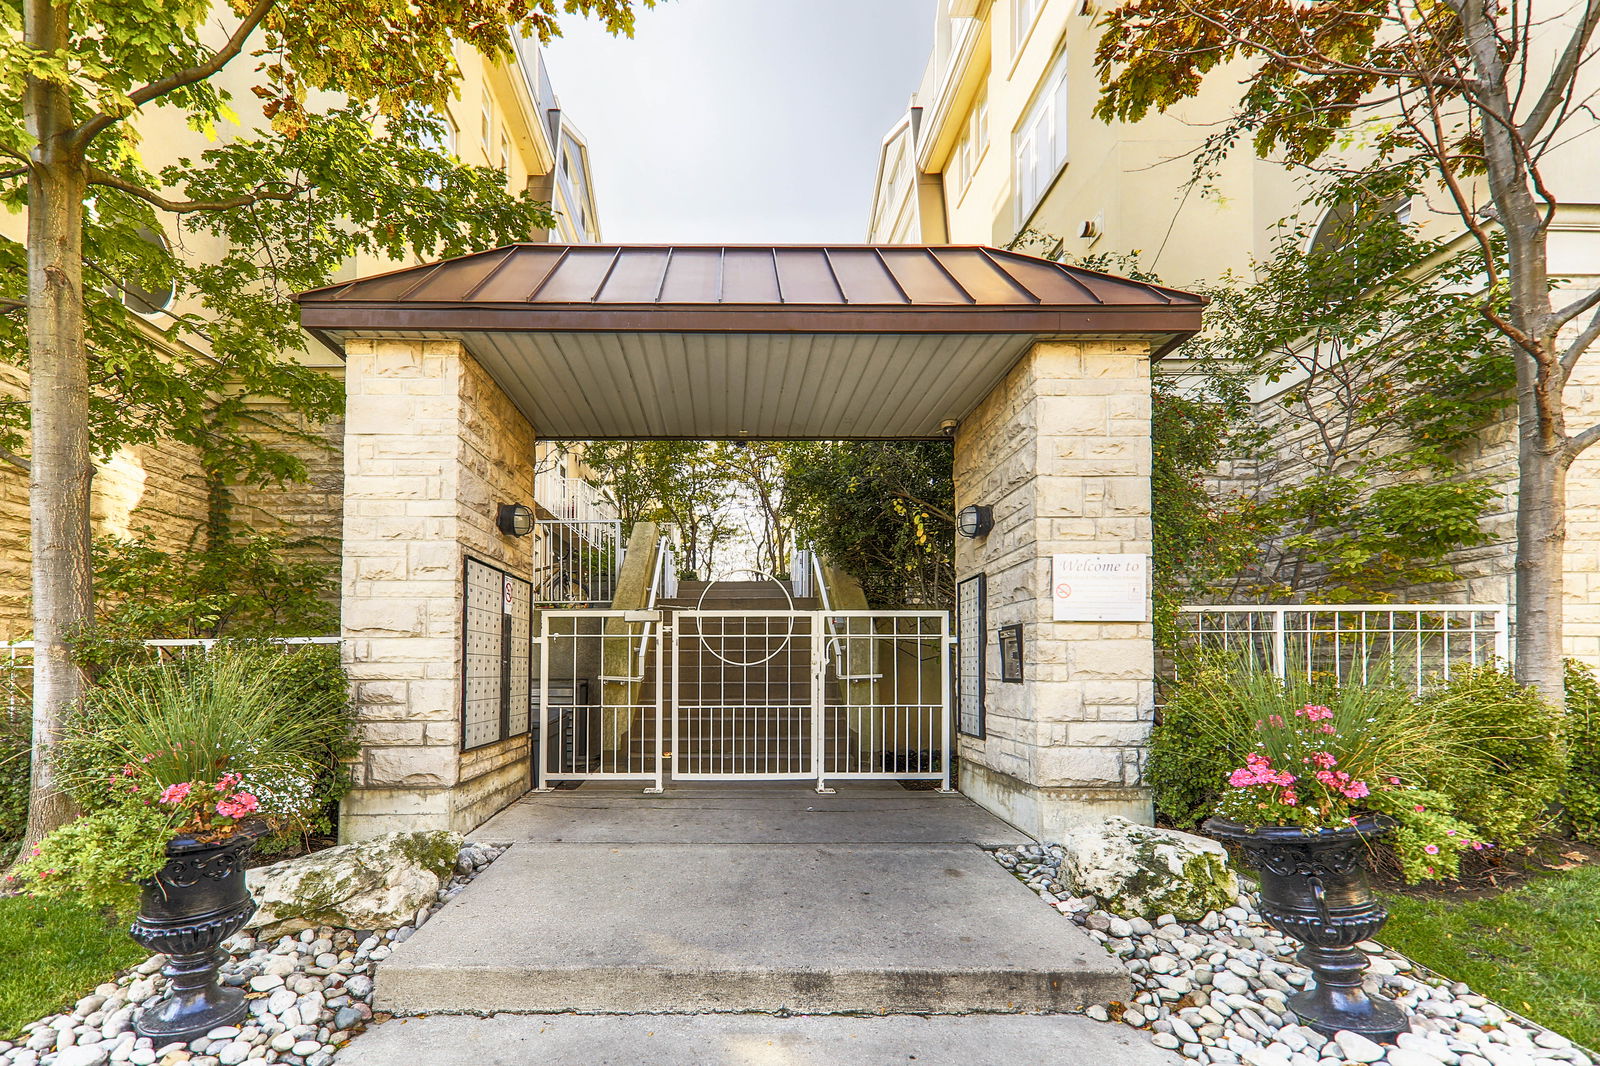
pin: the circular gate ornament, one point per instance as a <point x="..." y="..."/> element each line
<point x="759" y="575"/>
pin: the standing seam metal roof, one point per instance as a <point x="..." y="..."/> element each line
<point x="743" y="276"/>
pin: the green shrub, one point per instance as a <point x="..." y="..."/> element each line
<point x="1503" y="757"/>
<point x="1204" y="731"/>
<point x="1580" y="798"/>
<point x="276" y="720"/>
<point x="1474" y="763"/>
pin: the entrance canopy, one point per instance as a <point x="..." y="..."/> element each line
<point x="719" y="342"/>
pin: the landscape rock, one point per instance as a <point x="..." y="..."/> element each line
<point x="375" y="884"/>
<point x="1142" y="870"/>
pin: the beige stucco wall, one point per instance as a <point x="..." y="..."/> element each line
<point x="1061" y="451"/>
<point x="431" y="445"/>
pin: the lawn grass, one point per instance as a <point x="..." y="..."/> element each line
<point x="1534" y="949"/>
<point x="54" y="954"/>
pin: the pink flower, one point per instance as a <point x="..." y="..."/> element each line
<point x="1275" y="720"/>
<point x="1419" y="808"/>
<point x="1324" y="760"/>
<point x="1477" y="845"/>
<point x="176" y="793"/>
<point x="1315" y="712"/>
<point x="227" y="781"/>
<point x="1288" y="796"/>
<point x="1394" y="780"/>
<point x="1356" y="790"/>
<point x="1326" y="728"/>
<point x="237" y="805"/>
<point x="1432" y="849"/>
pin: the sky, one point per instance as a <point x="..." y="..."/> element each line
<point x="741" y="120"/>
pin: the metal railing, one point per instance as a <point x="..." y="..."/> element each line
<point x="1346" y="642"/>
<point x="576" y="563"/>
<point x="571" y="499"/>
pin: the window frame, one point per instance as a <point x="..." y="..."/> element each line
<point x="1052" y="95"/>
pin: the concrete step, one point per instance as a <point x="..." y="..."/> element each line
<point x="744" y="1039"/>
<point x="801" y="928"/>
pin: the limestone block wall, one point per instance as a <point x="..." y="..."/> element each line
<point x="310" y="512"/>
<point x="431" y="445"/>
<point x="1061" y="451"/>
<point x="1485" y="573"/>
<point x="156" y="487"/>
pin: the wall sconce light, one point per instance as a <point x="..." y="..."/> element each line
<point x="975" y="520"/>
<point x="514" y="519"/>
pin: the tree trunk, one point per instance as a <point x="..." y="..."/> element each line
<point x="1541" y="567"/>
<point x="59" y="395"/>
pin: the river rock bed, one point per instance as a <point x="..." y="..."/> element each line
<point x="308" y="994"/>
<point x="1215" y="990"/>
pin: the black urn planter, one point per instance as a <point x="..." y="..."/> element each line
<point x="1315" y="889"/>
<point x="186" y="911"/>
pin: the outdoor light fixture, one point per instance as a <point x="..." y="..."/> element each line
<point x="975" y="520"/>
<point x="514" y="519"/>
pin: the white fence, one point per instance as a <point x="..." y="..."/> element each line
<point x="571" y="499"/>
<point x="576" y="563"/>
<point x="1348" y="641"/>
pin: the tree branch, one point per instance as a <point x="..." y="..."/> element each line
<point x="1566" y="69"/>
<point x="178" y="79"/>
<point x="16" y="460"/>
<point x="180" y="207"/>
<point x="1581" y="342"/>
<point x="1576" y="445"/>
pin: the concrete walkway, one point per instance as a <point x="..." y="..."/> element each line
<point x="725" y="906"/>
<point x="753" y="1040"/>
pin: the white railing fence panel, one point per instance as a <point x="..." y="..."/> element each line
<point x="576" y="563"/>
<point x="1348" y="642"/>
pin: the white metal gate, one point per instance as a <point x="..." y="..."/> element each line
<point x="711" y="695"/>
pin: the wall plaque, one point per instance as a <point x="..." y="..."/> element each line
<point x="1100" y="588"/>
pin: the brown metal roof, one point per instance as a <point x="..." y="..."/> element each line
<point x="748" y="289"/>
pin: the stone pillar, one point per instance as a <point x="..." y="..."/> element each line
<point x="431" y="446"/>
<point x="1061" y="450"/>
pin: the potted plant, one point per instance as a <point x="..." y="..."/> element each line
<point x="1320" y="789"/>
<point x="181" y="769"/>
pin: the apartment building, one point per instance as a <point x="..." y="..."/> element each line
<point x="507" y="115"/>
<point x="1000" y="146"/>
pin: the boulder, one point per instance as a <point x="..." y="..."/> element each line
<point x="375" y="884"/>
<point x="1141" y="870"/>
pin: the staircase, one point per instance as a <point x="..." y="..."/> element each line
<point x="744" y="687"/>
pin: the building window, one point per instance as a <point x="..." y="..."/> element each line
<point x="505" y="152"/>
<point x="974" y="139"/>
<point x="154" y="293"/>
<point x="1023" y="14"/>
<point x="1345" y="220"/>
<point x="486" y="131"/>
<point x="1041" y="141"/>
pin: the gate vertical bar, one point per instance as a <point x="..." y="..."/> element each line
<point x="544" y="701"/>
<point x="946" y="745"/>
<point x="819" y="670"/>
<point x="661" y="629"/>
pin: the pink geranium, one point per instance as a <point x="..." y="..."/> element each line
<point x="237" y="805"/>
<point x="174" y="794"/>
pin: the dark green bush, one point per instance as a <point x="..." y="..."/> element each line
<point x="1501" y="758"/>
<point x="1580" y="797"/>
<point x="1203" y="733"/>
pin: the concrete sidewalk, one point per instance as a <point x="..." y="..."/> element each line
<point x="752" y="1040"/>
<point x="767" y="899"/>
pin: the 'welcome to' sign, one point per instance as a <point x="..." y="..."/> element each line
<point x="1100" y="588"/>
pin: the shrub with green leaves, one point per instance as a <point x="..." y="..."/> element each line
<point x="16" y="730"/>
<point x="1474" y="763"/>
<point x="1502" y="756"/>
<point x="1580" y="796"/>
<point x="275" y="721"/>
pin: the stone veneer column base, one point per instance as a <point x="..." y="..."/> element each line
<point x="1045" y="812"/>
